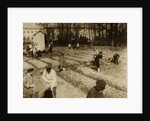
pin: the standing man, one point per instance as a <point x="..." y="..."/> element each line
<point x="97" y="61"/>
<point x="62" y="62"/>
<point x="95" y="54"/>
<point x="69" y="45"/>
<point x="50" y="79"/>
<point x="50" y="48"/>
<point x="30" y="50"/>
<point x="78" y="45"/>
<point x="35" y="50"/>
<point x="28" y="84"/>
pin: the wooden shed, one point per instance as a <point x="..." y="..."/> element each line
<point x="39" y="39"/>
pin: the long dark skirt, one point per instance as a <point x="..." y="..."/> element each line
<point x="97" y="63"/>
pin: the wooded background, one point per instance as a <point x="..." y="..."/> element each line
<point x="104" y="34"/>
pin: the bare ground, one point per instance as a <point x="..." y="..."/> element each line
<point x="78" y="78"/>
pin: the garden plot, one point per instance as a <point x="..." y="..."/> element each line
<point x="64" y="89"/>
<point x="67" y="90"/>
<point x="76" y="83"/>
<point x="39" y="86"/>
<point x="86" y="55"/>
<point x="26" y="58"/>
<point x="85" y="83"/>
<point x="80" y="60"/>
<point x="51" y="61"/>
<point x="26" y="65"/>
<point x="75" y="56"/>
<point x="115" y="82"/>
<point x="69" y="62"/>
<point x="78" y="80"/>
<point x="37" y="63"/>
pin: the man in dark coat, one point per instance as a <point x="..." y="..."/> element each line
<point x="97" y="91"/>
<point x="97" y="58"/>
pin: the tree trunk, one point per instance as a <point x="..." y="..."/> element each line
<point x="62" y="33"/>
<point x="116" y="26"/>
<point x="94" y="33"/>
<point x="89" y="34"/>
<point x="99" y="32"/>
<point x="67" y="32"/>
<point x="111" y="35"/>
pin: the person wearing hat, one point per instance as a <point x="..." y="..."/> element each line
<point x="97" y="91"/>
<point x="28" y="83"/>
<point x="50" y="79"/>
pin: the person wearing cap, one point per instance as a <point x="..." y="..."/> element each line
<point x="28" y="83"/>
<point x="97" y="91"/>
<point x="50" y="79"/>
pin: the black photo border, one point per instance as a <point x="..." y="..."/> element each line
<point x="34" y="3"/>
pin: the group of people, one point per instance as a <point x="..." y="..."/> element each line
<point x="49" y="77"/>
<point x="49" y="80"/>
<point x="74" y="46"/>
<point x="32" y="50"/>
<point x="98" y="57"/>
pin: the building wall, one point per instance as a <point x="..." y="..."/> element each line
<point x="28" y="34"/>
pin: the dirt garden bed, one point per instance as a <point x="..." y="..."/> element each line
<point x="111" y="81"/>
<point x="69" y="62"/>
<point x="51" y="61"/>
<point x="37" y="63"/>
<point x="26" y="66"/>
<point x="85" y="83"/>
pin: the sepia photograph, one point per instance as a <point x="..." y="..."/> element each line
<point x="74" y="60"/>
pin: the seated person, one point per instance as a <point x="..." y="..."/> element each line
<point x="28" y="84"/>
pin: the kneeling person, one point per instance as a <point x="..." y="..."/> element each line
<point x="115" y="59"/>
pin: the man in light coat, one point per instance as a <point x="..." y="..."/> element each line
<point x="50" y="79"/>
